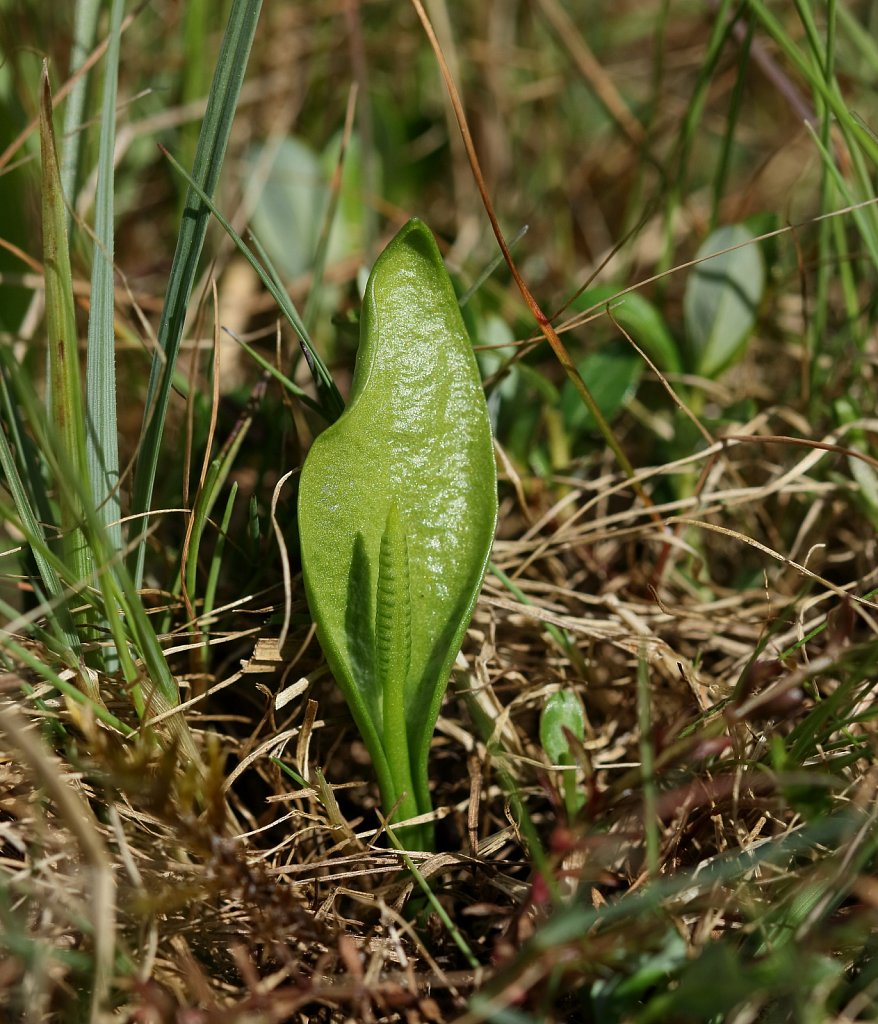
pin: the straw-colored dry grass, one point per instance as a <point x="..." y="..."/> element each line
<point x="259" y="897"/>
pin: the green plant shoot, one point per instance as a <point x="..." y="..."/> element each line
<point x="563" y="717"/>
<point x="397" y="512"/>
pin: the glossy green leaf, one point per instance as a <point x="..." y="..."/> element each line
<point x="722" y="297"/>
<point x="397" y="511"/>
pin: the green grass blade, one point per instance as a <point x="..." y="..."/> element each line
<point x="209" y="156"/>
<point x="863" y="222"/>
<point x="726" y="157"/>
<point x="215" y="479"/>
<point x="102" y="440"/>
<point x="85" y="26"/>
<point x="26" y="454"/>
<point x="280" y="377"/>
<point x="116" y="601"/>
<point x="438" y="908"/>
<point x="720" y="32"/>
<point x="36" y="538"/>
<point x="647" y="766"/>
<point x="827" y="90"/>
<point x="199" y="18"/>
<point x="333" y="404"/>
<point x="218" y="551"/>
<point x="65" y="397"/>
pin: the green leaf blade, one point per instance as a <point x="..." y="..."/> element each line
<point x="102" y="440"/>
<point x="65" y="397"/>
<point x="639" y="318"/>
<point x="415" y="434"/>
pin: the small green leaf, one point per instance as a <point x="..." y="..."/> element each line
<point x="287" y="216"/>
<point x="722" y="297"/>
<point x="290" y="212"/>
<point x="612" y="375"/>
<point x="563" y="717"/>
<point x="640" y="318"/>
<point x="563" y="711"/>
<point x="397" y="510"/>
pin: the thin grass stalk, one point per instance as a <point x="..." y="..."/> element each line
<point x="863" y="41"/>
<point x="551" y="335"/>
<point x="438" y="908"/>
<point x="817" y="329"/>
<point x="129" y="627"/>
<point x="198" y="17"/>
<point x="116" y="601"/>
<point x="575" y="920"/>
<point x="65" y="396"/>
<point x="824" y="59"/>
<point x="209" y="156"/>
<point x="331" y="403"/>
<point x="724" y="166"/>
<point x="214" y="477"/>
<point x="218" y="551"/>
<point x="647" y="766"/>
<point x="312" y="305"/>
<point x="22" y="451"/>
<point x="77" y="816"/>
<point x="368" y="150"/>
<point x="869" y="237"/>
<point x="85" y="27"/>
<point x="828" y="90"/>
<point x="24" y="655"/>
<point x="498" y="758"/>
<point x="64" y="90"/>
<point x="847" y="280"/>
<point x="719" y="36"/>
<point x="657" y="75"/>
<point x="102" y="438"/>
<point x="61" y="622"/>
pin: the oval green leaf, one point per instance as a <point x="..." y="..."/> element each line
<point x="397" y="511"/>
<point x="722" y="296"/>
